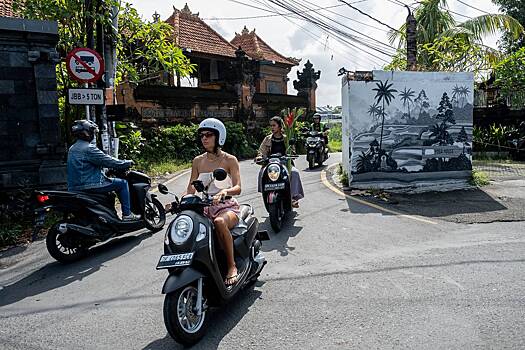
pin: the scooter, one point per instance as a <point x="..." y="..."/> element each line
<point x="89" y="218"/>
<point x="276" y="190"/>
<point x="197" y="269"/>
<point x="316" y="150"/>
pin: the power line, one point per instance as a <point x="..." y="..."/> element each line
<point x="351" y="29"/>
<point x="317" y="38"/>
<point x="366" y="14"/>
<point x="341" y="35"/>
<point x="266" y="16"/>
<point x="475" y="8"/>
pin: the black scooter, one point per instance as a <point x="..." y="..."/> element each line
<point x="316" y="150"/>
<point x="276" y="190"/>
<point x="197" y="269"/>
<point x="88" y="218"/>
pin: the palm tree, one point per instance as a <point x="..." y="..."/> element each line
<point x="374" y="110"/>
<point x="435" y="21"/>
<point x="406" y="97"/>
<point x="384" y="93"/>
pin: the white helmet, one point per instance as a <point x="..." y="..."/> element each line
<point x="216" y="126"/>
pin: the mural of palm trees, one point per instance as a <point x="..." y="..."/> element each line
<point x="455" y="94"/>
<point x="464" y="92"/>
<point x="374" y="111"/>
<point x="407" y="98"/>
<point x="422" y="101"/>
<point x="384" y="93"/>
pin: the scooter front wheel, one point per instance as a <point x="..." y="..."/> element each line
<point x="154" y="215"/>
<point x="311" y="163"/>
<point x="180" y="316"/>
<point x="61" y="248"/>
<point x="276" y="216"/>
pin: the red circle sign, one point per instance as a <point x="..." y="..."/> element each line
<point x="85" y="65"/>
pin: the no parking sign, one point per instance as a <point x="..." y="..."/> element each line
<point x="85" y="65"/>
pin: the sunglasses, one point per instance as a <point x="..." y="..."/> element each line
<point x="206" y="135"/>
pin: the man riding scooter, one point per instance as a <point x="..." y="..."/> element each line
<point x="85" y="163"/>
<point x="317" y="126"/>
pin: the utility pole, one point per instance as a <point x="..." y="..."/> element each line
<point x="90" y="43"/>
<point x="411" y="39"/>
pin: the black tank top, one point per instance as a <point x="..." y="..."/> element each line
<point x="278" y="146"/>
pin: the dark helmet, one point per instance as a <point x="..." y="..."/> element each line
<point x="84" y="129"/>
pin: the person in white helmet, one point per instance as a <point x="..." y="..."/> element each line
<point x="224" y="213"/>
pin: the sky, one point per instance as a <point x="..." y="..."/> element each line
<point x="297" y="38"/>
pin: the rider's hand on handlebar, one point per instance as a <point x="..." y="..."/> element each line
<point x="219" y="197"/>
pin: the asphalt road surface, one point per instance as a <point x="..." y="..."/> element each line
<point x="341" y="275"/>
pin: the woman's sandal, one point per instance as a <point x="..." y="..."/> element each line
<point x="230" y="281"/>
<point x="295" y="204"/>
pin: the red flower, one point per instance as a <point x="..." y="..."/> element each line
<point x="289" y="120"/>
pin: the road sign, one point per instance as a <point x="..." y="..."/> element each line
<point x="85" y="65"/>
<point x="86" y="96"/>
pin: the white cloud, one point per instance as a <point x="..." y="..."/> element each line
<point x="293" y="39"/>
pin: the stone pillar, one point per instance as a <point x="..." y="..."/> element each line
<point x="243" y="79"/>
<point x="31" y="148"/>
<point x="306" y="85"/>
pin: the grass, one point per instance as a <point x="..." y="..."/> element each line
<point x="335" y="146"/>
<point x="479" y="178"/>
<point x="164" y="168"/>
<point x="343" y="175"/>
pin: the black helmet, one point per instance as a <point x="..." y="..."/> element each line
<point x="84" y="129"/>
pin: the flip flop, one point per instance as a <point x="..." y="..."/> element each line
<point x="230" y="281"/>
<point x="295" y="204"/>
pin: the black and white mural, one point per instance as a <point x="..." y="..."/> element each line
<point x="405" y="128"/>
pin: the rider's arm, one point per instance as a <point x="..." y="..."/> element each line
<point x="194" y="176"/>
<point x="97" y="157"/>
<point x="264" y="149"/>
<point x="235" y="174"/>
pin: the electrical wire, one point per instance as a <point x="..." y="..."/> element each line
<point x="475" y="8"/>
<point x="367" y="15"/>
<point x="337" y="33"/>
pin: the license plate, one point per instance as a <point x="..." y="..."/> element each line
<point x="277" y="186"/>
<point x="176" y="260"/>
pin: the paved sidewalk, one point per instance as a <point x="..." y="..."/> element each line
<point x="501" y="171"/>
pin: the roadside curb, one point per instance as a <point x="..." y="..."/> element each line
<point x="334" y="187"/>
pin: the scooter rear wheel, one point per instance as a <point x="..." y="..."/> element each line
<point x="180" y="316"/>
<point x="61" y="248"/>
<point x="276" y="216"/>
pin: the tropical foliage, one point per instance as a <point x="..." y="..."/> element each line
<point x="516" y="9"/>
<point x="447" y="45"/>
<point x="510" y="77"/>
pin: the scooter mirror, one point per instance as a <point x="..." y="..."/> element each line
<point x="163" y="189"/>
<point x="219" y="174"/>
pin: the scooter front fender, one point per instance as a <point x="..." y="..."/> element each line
<point x="272" y="197"/>
<point x="178" y="280"/>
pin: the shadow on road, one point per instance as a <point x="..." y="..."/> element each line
<point x="222" y="321"/>
<point x="56" y="275"/>
<point x="279" y="241"/>
<point x="432" y="204"/>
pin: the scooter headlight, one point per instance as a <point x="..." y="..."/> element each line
<point x="274" y="171"/>
<point x="181" y="229"/>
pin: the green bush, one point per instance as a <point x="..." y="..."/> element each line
<point x="179" y="144"/>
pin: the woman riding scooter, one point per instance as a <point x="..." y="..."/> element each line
<point x="224" y="214"/>
<point x="274" y="144"/>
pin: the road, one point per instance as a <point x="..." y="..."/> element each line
<point x="341" y="275"/>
